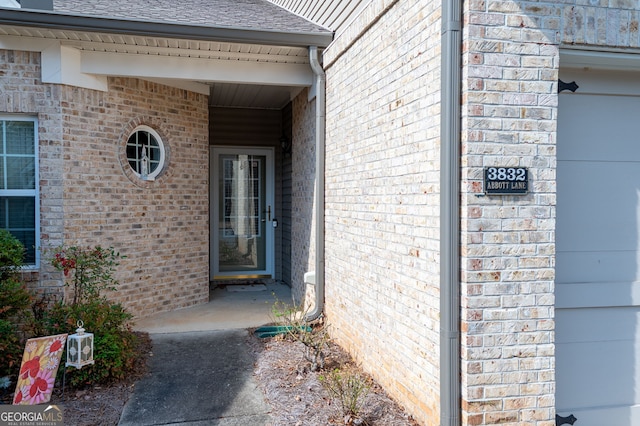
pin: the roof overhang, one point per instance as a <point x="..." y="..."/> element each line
<point x="60" y="21"/>
<point x="239" y="67"/>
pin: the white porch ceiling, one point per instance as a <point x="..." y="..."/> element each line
<point x="235" y="74"/>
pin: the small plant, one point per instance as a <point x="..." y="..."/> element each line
<point x="349" y="389"/>
<point x="88" y="270"/>
<point x="314" y="337"/>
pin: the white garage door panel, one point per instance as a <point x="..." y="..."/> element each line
<point x="597" y="246"/>
<point x="604" y="206"/>
<point x="602" y="416"/>
<point x="601" y="294"/>
<point x="597" y="266"/>
<point x="594" y="347"/>
<point x="596" y="325"/>
<point x="594" y="363"/>
<point x="619" y="147"/>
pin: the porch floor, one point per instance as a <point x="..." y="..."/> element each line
<point x="229" y="307"/>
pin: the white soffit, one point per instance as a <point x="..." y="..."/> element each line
<point x="191" y="64"/>
<point x="162" y="46"/>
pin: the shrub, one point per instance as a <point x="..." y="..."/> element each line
<point x="10" y="348"/>
<point x="314" y="337"/>
<point x="114" y="342"/>
<point x="11" y="255"/>
<point x="88" y="270"/>
<point x="14" y="299"/>
<point x="350" y="389"/>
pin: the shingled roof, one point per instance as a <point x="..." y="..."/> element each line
<point x="259" y="15"/>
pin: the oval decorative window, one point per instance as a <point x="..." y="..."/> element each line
<point x="145" y="153"/>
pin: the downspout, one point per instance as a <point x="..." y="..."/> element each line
<point x="450" y="124"/>
<point x="318" y="279"/>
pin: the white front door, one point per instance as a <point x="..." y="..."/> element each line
<point x="598" y="249"/>
<point x="242" y="212"/>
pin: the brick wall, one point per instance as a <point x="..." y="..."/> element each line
<point x="382" y="201"/>
<point x="22" y="93"/>
<point x="302" y="196"/>
<point x="509" y="111"/>
<point x="161" y="226"/>
<point x="89" y="196"/>
<point x="511" y="60"/>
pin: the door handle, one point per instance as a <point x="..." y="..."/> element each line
<point x="268" y="211"/>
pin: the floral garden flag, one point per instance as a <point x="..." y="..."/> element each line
<point x="38" y="370"/>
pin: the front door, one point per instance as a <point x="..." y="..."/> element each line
<point x="242" y="214"/>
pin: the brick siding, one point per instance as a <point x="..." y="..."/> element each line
<point x="382" y="202"/>
<point x="89" y="195"/>
<point x="509" y="111"/>
<point x="22" y="93"/>
<point x="302" y="196"/>
<point x="511" y="62"/>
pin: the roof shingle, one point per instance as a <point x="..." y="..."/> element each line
<point x="246" y="14"/>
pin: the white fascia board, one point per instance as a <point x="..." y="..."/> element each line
<point x="61" y="65"/>
<point x="198" y="69"/>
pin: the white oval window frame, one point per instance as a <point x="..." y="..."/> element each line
<point x="161" y="163"/>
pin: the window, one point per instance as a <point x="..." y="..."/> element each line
<point x="19" y="181"/>
<point x="145" y="153"/>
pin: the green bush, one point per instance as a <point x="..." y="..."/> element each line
<point x="114" y="343"/>
<point x="10" y="348"/>
<point x="11" y="255"/>
<point x="89" y="271"/>
<point x="14" y="300"/>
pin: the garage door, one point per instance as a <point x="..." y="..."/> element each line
<point x="598" y="249"/>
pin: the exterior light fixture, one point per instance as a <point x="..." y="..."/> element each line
<point x="285" y="143"/>
<point x="80" y="348"/>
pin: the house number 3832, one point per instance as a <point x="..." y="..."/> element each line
<point x="507" y="173"/>
<point x="506" y="180"/>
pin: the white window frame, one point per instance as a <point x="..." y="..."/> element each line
<point x="161" y="161"/>
<point x="28" y="192"/>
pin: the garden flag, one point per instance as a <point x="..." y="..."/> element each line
<point x="38" y="370"/>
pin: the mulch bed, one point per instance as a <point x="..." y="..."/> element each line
<point x="295" y="394"/>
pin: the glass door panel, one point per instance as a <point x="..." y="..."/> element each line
<point x="242" y="210"/>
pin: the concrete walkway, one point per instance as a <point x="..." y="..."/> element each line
<point x="198" y="379"/>
<point x="201" y="370"/>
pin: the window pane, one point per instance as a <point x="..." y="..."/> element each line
<point x="21" y="173"/>
<point x="18" y="216"/>
<point x="143" y="143"/>
<point x="20" y="137"/>
<point x="28" y="239"/>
